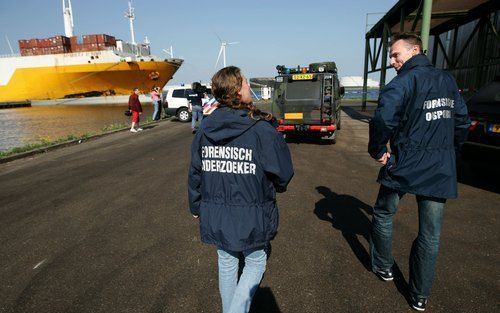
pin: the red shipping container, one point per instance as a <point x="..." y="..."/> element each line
<point x="33" y="42"/>
<point x="88" y="39"/>
<point x="23" y="44"/>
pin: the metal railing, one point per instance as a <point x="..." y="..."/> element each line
<point x="12" y="55"/>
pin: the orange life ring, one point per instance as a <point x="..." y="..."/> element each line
<point x="154" y="75"/>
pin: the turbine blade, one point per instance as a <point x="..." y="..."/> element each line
<point x="218" y="36"/>
<point x="218" y="57"/>
<point x="233" y="43"/>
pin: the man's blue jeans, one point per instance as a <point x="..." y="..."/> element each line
<point x="237" y="295"/>
<point x="425" y="247"/>
<point x="196" y="115"/>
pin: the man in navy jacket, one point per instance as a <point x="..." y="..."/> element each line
<point x="424" y="118"/>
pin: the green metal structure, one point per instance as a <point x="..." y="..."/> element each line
<point x="462" y="37"/>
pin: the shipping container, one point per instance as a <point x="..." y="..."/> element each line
<point x="33" y="43"/>
<point x="99" y="38"/>
<point x="24" y="44"/>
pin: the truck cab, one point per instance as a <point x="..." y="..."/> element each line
<point x="307" y="100"/>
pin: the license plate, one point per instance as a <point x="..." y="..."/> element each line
<point x="494" y="128"/>
<point x="294" y="116"/>
<point x="301" y="128"/>
<point x="302" y="76"/>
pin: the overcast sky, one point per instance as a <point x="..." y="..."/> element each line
<point x="269" y="32"/>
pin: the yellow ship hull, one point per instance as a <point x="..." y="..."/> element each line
<point x="55" y="82"/>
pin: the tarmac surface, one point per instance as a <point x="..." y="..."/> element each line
<point x="104" y="226"/>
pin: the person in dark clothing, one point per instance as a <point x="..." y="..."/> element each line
<point x="238" y="163"/>
<point x="134" y="105"/>
<point x="195" y="104"/>
<point x="424" y="118"/>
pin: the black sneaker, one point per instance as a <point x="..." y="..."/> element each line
<point x="385" y="275"/>
<point x="419" y="304"/>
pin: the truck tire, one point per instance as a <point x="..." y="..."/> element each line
<point x="184" y="115"/>
<point x="339" y="120"/>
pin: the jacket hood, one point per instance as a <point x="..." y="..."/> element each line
<point x="225" y="124"/>
<point x="417" y="60"/>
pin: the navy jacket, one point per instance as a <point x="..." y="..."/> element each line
<point x="237" y="165"/>
<point x="423" y="116"/>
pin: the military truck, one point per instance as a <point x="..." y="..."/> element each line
<point x="306" y="100"/>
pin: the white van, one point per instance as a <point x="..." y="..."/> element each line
<point x="175" y="102"/>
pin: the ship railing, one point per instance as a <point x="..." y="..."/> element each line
<point x="12" y="55"/>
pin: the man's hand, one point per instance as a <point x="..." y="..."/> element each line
<point x="196" y="216"/>
<point x="383" y="160"/>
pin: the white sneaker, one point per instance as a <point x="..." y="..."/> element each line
<point x="139" y="129"/>
<point x="133" y="130"/>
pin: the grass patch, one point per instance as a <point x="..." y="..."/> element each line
<point x="43" y="143"/>
<point x="112" y="127"/>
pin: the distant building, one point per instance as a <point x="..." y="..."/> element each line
<point x="357" y="82"/>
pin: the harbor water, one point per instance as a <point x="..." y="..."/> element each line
<point x="21" y="126"/>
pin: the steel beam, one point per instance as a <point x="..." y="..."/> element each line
<point x="383" y="60"/>
<point x="426" y="24"/>
<point x="365" y="75"/>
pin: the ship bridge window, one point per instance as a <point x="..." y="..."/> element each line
<point x="91" y="57"/>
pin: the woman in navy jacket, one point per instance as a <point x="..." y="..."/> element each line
<point x="238" y="163"/>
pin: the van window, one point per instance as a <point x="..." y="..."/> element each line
<point x="178" y="93"/>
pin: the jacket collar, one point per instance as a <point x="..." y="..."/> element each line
<point x="417" y="60"/>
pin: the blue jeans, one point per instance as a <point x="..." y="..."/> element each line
<point x="237" y="295"/>
<point x="156" y="111"/>
<point x="196" y="115"/>
<point x="425" y="247"/>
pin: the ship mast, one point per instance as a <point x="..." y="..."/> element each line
<point x="131" y="17"/>
<point x="68" y="18"/>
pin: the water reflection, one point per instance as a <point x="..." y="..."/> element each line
<point x="21" y="126"/>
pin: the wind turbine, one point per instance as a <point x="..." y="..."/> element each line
<point x="223" y="45"/>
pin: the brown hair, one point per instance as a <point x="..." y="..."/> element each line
<point x="410" y="38"/>
<point x="226" y="84"/>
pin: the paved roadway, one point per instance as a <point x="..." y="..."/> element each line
<point x="103" y="227"/>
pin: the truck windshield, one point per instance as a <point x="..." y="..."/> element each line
<point x="303" y="90"/>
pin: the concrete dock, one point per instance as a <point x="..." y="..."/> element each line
<point x="104" y="226"/>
